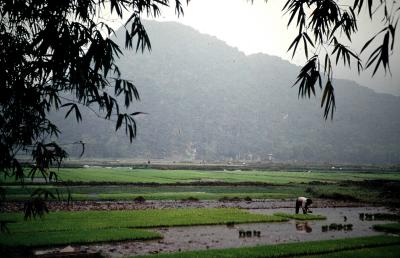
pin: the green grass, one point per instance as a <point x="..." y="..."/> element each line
<point x="64" y="221"/>
<point x="279" y="185"/>
<point x="93" y="226"/>
<point x="166" y="192"/>
<point x="300" y="216"/>
<point x="307" y="249"/>
<point x="129" y="192"/>
<point x="47" y="238"/>
<point x="391" y="227"/>
<point x="173" y="176"/>
<point x="377" y="252"/>
<point x="162" y="196"/>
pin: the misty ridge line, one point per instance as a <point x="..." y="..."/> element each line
<point x="208" y="101"/>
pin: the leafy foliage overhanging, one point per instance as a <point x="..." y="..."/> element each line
<point x="324" y="28"/>
<point x="49" y="48"/>
<point x="53" y="49"/>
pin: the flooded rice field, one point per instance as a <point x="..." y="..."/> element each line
<point x="177" y="239"/>
<point x="156" y="204"/>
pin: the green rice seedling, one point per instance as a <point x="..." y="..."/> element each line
<point x="256" y="233"/>
<point x="390" y="228"/>
<point x="93" y="226"/>
<point x="371" y="252"/>
<point x="157" y="184"/>
<point x="62" y="221"/>
<point x="369" y="217"/>
<point x="385" y="216"/>
<point x="172" y="176"/>
<point x="300" y="216"/>
<point x="333" y="226"/>
<point x="50" y="238"/>
<point x="307" y="249"/>
<point x="348" y="227"/>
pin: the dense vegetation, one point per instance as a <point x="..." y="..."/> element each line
<point x="207" y="101"/>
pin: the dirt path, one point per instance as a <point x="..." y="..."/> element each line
<point x="132" y="205"/>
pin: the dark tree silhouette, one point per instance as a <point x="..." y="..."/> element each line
<point x="326" y="29"/>
<point x="53" y="49"/>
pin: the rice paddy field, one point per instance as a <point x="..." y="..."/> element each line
<point x="128" y="212"/>
<point x="127" y="175"/>
<point x="95" y="226"/>
<point x="155" y="184"/>
<point x="357" y="247"/>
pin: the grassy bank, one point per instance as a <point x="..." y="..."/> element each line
<point x="129" y="192"/>
<point x="90" y="226"/>
<point x="173" y="176"/>
<point x="152" y="184"/>
<point x="300" y="216"/>
<point x="352" y="247"/>
<point x="390" y="228"/>
<point x="391" y="251"/>
<point x="162" y="192"/>
<point x="74" y="236"/>
<point x="127" y="175"/>
<point x="135" y="219"/>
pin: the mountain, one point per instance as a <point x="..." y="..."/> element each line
<point x="208" y="101"/>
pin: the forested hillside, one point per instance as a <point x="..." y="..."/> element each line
<point x="207" y="101"/>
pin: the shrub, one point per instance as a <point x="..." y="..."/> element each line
<point x="140" y="199"/>
<point x="248" y="199"/>
<point x="191" y="199"/>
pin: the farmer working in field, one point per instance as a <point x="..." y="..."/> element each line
<point x="304" y="203"/>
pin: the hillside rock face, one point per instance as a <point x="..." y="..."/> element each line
<point x="207" y="101"/>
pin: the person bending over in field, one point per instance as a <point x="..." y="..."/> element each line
<point x="304" y="203"/>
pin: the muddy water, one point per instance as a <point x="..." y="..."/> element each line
<point x="221" y="236"/>
<point x="132" y="205"/>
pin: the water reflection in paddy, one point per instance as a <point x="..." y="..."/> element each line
<point x="222" y="236"/>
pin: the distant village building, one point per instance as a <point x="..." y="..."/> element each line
<point x="270" y="157"/>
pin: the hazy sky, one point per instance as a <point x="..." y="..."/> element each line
<point x="261" y="27"/>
